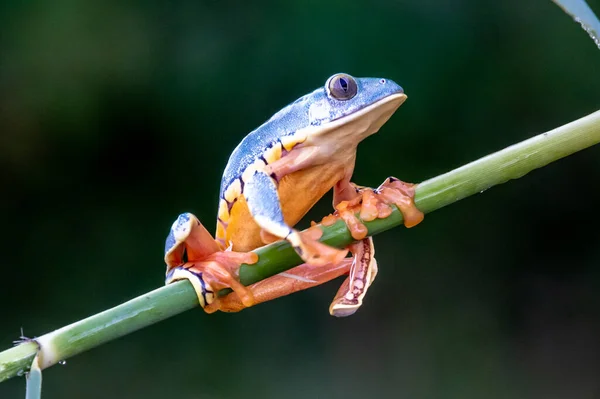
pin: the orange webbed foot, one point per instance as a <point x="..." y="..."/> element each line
<point x="222" y="271"/>
<point x="216" y="272"/>
<point x="192" y="254"/>
<point x="373" y="204"/>
<point x="401" y="194"/>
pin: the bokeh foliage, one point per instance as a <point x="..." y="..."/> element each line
<point x="115" y="117"/>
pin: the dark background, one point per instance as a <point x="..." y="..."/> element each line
<point x="115" y="118"/>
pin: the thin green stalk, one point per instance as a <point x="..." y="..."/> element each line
<point x="510" y="163"/>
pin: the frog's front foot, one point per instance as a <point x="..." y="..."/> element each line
<point x="192" y="254"/>
<point x="401" y="194"/>
<point x="313" y="252"/>
<point x="376" y="203"/>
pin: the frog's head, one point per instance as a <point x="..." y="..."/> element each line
<point x="346" y="95"/>
<point x="355" y="107"/>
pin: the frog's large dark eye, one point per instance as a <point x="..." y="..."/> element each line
<point x="342" y="86"/>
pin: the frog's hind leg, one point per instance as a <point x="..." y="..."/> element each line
<point x="361" y="270"/>
<point x="296" y="279"/>
<point x="192" y="254"/>
<point x="260" y="193"/>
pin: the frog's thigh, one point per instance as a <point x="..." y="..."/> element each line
<point x="263" y="203"/>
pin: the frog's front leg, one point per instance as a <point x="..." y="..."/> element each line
<point x="260" y="193"/>
<point x="192" y="254"/>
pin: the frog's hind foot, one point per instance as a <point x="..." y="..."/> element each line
<point x="192" y="254"/>
<point x="296" y="279"/>
<point x="217" y="272"/>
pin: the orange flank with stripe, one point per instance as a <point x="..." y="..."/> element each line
<point x="298" y="192"/>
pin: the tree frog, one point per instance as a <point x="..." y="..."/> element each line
<point x="273" y="177"/>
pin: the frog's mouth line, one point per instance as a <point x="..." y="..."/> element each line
<point x="391" y="102"/>
<point x="373" y="115"/>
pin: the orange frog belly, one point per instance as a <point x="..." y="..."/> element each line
<point x="298" y="192"/>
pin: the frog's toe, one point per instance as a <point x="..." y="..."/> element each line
<point x="346" y="211"/>
<point x="222" y="279"/>
<point x="373" y="204"/>
<point x="396" y="192"/>
<point x="246" y="297"/>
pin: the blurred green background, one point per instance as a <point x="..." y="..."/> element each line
<point x="115" y="117"/>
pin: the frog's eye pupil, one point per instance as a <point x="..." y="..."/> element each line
<point x="342" y="87"/>
<point x="344" y="84"/>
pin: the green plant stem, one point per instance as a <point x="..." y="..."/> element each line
<point x="510" y="163"/>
